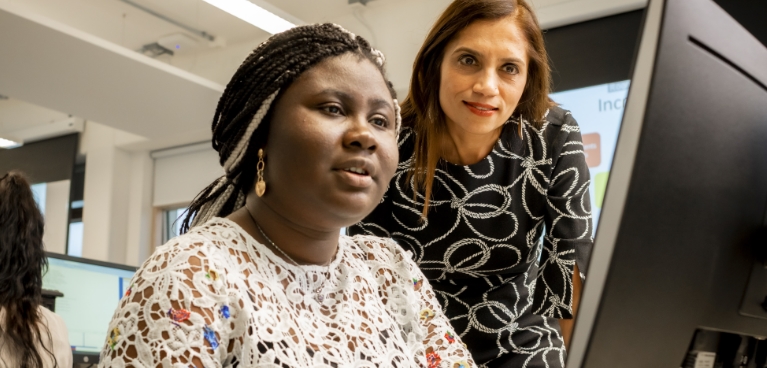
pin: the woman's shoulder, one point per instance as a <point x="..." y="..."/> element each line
<point x="557" y="116"/>
<point x="385" y="261"/>
<point x="61" y="347"/>
<point x="51" y="317"/>
<point x="56" y="325"/>
<point x="214" y="241"/>
<point x="217" y="234"/>
<point x="560" y="128"/>
<point x="406" y="143"/>
<point x="53" y="321"/>
<point x="379" y="249"/>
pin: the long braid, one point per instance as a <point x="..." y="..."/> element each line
<point x="241" y="121"/>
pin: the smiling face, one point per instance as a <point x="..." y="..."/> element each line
<point x="482" y="76"/>
<point x="332" y="148"/>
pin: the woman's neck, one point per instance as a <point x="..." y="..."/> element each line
<point x="303" y="245"/>
<point x="463" y="148"/>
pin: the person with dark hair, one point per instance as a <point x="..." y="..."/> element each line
<point x="306" y="132"/>
<point x="491" y="194"/>
<point x="31" y="336"/>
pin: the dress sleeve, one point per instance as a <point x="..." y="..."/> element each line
<point x="568" y="224"/>
<point x="178" y="311"/>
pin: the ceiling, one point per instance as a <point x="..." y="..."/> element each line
<point x="16" y="115"/>
<point x="80" y="57"/>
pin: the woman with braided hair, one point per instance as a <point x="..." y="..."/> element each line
<point x="306" y="132"/>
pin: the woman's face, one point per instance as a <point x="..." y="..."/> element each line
<point x="483" y="74"/>
<point x="332" y="145"/>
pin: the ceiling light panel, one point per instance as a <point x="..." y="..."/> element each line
<point x="253" y="14"/>
<point x="8" y="144"/>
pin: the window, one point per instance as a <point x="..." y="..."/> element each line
<point x="39" y="191"/>
<point x="75" y="237"/>
<point x="171" y="223"/>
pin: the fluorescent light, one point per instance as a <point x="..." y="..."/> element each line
<point x="6" y="143"/>
<point x="253" y="14"/>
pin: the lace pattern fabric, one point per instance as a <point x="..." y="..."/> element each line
<point x="215" y="297"/>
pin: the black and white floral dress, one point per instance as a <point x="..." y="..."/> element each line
<point x="480" y="246"/>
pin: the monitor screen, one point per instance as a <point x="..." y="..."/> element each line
<point x="91" y="293"/>
<point x="598" y="111"/>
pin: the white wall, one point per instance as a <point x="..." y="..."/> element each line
<point x="139" y="243"/>
<point x="117" y="210"/>
<point x="105" y="195"/>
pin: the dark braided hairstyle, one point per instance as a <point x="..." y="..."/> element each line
<point x="22" y="263"/>
<point x="242" y="119"/>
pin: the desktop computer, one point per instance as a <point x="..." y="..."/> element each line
<point x="91" y="291"/>
<point x="677" y="250"/>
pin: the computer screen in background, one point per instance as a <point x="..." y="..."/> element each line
<point x="598" y="111"/>
<point x="91" y="292"/>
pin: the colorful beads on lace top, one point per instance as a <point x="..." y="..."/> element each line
<point x="179" y="316"/>
<point x="210" y="337"/>
<point x="433" y="359"/>
<point x="461" y="364"/>
<point x="417" y="283"/>
<point x="450" y="337"/>
<point x="114" y="335"/>
<point x="225" y="311"/>
<point x="127" y="292"/>
<point x="212" y="274"/>
<point x="426" y="314"/>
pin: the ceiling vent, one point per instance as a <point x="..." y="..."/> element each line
<point x="154" y="50"/>
<point x="179" y="43"/>
<point x="173" y="44"/>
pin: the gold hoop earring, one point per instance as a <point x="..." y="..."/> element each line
<point x="260" y="183"/>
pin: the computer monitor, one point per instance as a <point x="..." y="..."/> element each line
<point x="687" y="189"/>
<point x="92" y="290"/>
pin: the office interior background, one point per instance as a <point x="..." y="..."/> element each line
<point x="107" y="104"/>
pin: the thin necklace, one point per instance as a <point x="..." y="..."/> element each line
<point x="319" y="294"/>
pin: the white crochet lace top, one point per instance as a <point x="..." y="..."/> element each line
<point x="215" y="297"/>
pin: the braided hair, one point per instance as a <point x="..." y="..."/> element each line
<point x="242" y="119"/>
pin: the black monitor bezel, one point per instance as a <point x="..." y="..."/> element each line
<point x="90" y="261"/>
<point x="714" y="302"/>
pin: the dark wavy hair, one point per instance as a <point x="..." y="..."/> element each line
<point x="421" y="110"/>
<point x="22" y="263"/>
<point x="242" y="119"/>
